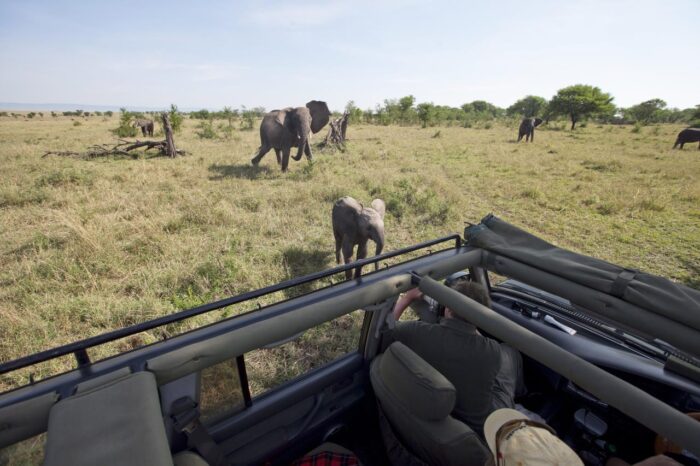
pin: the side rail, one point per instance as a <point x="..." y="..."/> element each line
<point x="24" y="411"/>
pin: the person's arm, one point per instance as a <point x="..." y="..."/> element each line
<point x="405" y="300"/>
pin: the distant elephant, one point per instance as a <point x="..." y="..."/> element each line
<point x="145" y="125"/>
<point x="687" y="135"/>
<point x="291" y="127"/>
<point x="354" y="225"/>
<point x="527" y="128"/>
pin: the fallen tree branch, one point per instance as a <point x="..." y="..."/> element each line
<point x="123" y="147"/>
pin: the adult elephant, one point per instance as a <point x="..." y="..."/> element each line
<point x="353" y="225"/>
<point x="291" y="127"/>
<point x="145" y="125"/>
<point x="527" y="128"/>
<point x="687" y="135"/>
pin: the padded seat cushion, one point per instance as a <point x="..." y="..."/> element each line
<point x="118" y="423"/>
<point x="423" y="391"/>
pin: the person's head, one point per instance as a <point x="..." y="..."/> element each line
<point x="515" y="439"/>
<point x="469" y="289"/>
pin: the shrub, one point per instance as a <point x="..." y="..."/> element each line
<point x="4" y="114"/>
<point x="125" y="128"/>
<point x="77" y="123"/>
<point x="31" y="115"/>
<point x="637" y="127"/>
<point x="205" y="130"/>
<point x="175" y="118"/>
<point x="109" y="113"/>
<point x="247" y="119"/>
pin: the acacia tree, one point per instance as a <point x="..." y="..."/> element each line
<point x="580" y="101"/>
<point x="426" y="113"/>
<point x="529" y="106"/>
<point x="647" y="112"/>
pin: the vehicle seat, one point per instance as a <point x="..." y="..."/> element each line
<point x="116" y="423"/>
<point x="415" y="403"/>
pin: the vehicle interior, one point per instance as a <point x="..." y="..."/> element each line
<point x="611" y="362"/>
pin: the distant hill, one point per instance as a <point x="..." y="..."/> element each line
<point x="86" y="107"/>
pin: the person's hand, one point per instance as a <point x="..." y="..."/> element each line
<point x="413" y="294"/>
<point x="403" y="302"/>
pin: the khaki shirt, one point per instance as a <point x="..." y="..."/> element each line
<point x="467" y="359"/>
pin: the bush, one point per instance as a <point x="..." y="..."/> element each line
<point x="77" y="123"/>
<point x="175" y="118"/>
<point x="637" y="127"/>
<point x="247" y="119"/>
<point x="31" y="115"/>
<point x="109" y="113"/>
<point x="205" y="130"/>
<point x="125" y="128"/>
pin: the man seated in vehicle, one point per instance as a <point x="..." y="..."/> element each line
<point x="486" y="373"/>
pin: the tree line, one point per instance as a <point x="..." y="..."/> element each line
<point x="575" y="103"/>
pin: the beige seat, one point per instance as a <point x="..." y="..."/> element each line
<point x="415" y="401"/>
<point x="115" y="423"/>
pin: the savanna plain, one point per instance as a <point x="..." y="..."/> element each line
<point x="91" y="245"/>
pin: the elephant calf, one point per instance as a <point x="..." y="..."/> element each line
<point x="527" y="128"/>
<point x="145" y="125"/>
<point x="687" y="135"/>
<point x="354" y="225"/>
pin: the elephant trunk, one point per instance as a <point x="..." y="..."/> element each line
<point x="303" y="144"/>
<point x="379" y="241"/>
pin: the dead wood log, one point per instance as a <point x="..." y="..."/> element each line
<point x="124" y="147"/>
<point x="336" y="132"/>
<point x="170" y="149"/>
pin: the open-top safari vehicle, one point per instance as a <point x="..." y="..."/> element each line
<point x="611" y="358"/>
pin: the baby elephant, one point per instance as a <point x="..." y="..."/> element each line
<point x="527" y="129"/>
<point x="354" y="225"/>
<point x="687" y="135"/>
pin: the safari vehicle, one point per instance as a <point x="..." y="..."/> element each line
<point x="610" y="357"/>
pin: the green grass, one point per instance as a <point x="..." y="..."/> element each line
<point x="93" y="245"/>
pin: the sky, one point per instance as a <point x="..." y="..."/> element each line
<point x="274" y="54"/>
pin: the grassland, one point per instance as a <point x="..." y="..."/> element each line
<point x="92" y="245"/>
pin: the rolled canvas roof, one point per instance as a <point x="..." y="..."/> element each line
<point x="652" y="293"/>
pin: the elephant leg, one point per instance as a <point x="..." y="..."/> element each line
<point x="264" y="149"/>
<point x="285" y="158"/>
<point x="338" y="244"/>
<point x="532" y="136"/>
<point x="520" y="137"/>
<point x="278" y="153"/>
<point x="361" y="254"/>
<point x="143" y="131"/>
<point x="347" y="255"/>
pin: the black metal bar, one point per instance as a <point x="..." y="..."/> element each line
<point x="188" y="313"/>
<point x="243" y="378"/>
<point x="82" y="357"/>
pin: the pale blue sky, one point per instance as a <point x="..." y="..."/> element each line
<point x="274" y="54"/>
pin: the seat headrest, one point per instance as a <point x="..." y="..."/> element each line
<point x="422" y="390"/>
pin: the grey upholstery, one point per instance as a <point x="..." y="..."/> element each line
<point x="188" y="458"/>
<point x="118" y="423"/>
<point x="25" y="419"/>
<point x="417" y="400"/>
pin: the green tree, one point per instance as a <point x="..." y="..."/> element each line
<point x="528" y="107"/>
<point x="581" y="101"/>
<point x="175" y="118"/>
<point x="651" y="111"/>
<point x="125" y="128"/>
<point x="406" y="107"/>
<point x="228" y="114"/>
<point x="354" y="112"/>
<point x="426" y="113"/>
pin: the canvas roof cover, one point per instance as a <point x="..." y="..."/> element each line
<point x="650" y="292"/>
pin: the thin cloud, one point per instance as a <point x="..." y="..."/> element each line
<point x="312" y="14"/>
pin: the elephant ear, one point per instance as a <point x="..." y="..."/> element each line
<point x="538" y="121"/>
<point x="379" y="206"/>
<point x="319" y="114"/>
